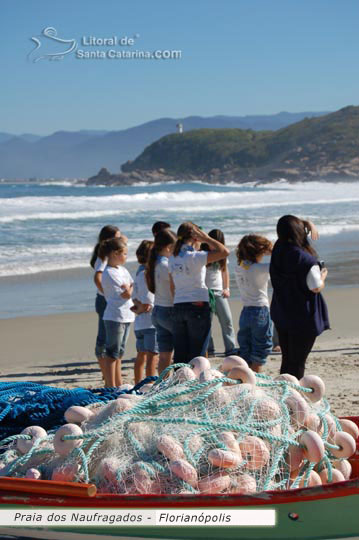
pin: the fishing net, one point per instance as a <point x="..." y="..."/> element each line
<point x="195" y="430"/>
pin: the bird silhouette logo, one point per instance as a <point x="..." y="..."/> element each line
<point x="48" y="41"/>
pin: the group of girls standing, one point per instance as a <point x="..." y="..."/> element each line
<point x="183" y="279"/>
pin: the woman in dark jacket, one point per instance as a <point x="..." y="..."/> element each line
<point x="298" y="309"/>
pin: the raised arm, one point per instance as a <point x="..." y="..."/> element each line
<point x="218" y="250"/>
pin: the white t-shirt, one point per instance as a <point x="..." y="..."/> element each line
<point x="163" y="295"/>
<point x="252" y="281"/>
<point x="214" y="279"/>
<point x="118" y="308"/>
<point x="188" y="271"/>
<point x="314" y="278"/>
<point x="100" y="266"/>
<point x="141" y="293"/>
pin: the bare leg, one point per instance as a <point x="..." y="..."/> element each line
<point x="140" y="366"/>
<point x="102" y="362"/>
<point x="151" y="364"/>
<point x="165" y="361"/>
<point x="118" y="372"/>
<point x="109" y="371"/>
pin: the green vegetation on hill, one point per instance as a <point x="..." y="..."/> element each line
<point x="313" y="143"/>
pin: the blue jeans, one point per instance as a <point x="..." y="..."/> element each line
<point x="146" y="340"/>
<point x="223" y="312"/>
<point x="255" y="334"/>
<point x="116" y="337"/>
<point x="100" y="306"/>
<point x="192" y="324"/>
<point x="162" y="320"/>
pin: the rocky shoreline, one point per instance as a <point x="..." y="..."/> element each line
<point x="331" y="172"/>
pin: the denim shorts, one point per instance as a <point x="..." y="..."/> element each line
<point x="255" y="334"/>
<point x="146" y="340"/>
<point x="162" y="320"/>
<point x="116" y="337"/>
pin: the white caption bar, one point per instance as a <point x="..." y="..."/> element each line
<point x="137" y="518"/>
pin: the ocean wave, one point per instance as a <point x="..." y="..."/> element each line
<point x="16" y="269"/>
<point x="178" y="207"/>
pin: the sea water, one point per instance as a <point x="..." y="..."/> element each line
<point x="48" y="230"/>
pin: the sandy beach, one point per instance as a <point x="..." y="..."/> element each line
<point x="58" y="350"/>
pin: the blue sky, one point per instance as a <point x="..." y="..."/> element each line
<point x="238" y="57"/>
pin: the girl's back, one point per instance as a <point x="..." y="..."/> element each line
<point x="252" y="281"/>
<point x="188" y="272"/>
<point x="163" y="295"/>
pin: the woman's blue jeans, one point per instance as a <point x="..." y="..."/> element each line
<point x="192" y="324"/>
<point x="223" y="312"/>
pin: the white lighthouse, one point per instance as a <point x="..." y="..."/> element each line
<point x="179" y="128"/>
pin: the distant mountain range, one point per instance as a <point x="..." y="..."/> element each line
<point x="79" y="154"/>
<point x="325" y="148"/>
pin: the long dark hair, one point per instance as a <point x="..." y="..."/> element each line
<point x="251" y="247"/>
<point x="107" y="232"/>
<point x="294" y="230"/>
<point x="164" y="238"/>
<point x="108" y="246"/>
<point x="143" y="251"/>
<point x="184" y="232"/>
<point x="218" y="235"/>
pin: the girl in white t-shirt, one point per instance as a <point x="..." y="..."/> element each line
<point x="158" y="280"/>
<point x="145" y="332"/>
<point x="252" y="277"/>
<point x="117" y="285"/>
<point x="107" y="233"/>
<point x="187" y="268"/>
<point x="217" y="281"/>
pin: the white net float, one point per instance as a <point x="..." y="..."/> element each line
<point x="64" y="446"/>
<point x="297" y="406"/>
<point x="185" y="374"/>
<point x="344" y="467"/>
<point x="35" y="432"/>
<point x="255" y="452"/>
<point x="185" y="471"/>
<point x="232" y="361"/>
<point x="287" y="377"/>
<point x="316" y="386"/>
<point x="334" y="476"/>
<point x="243" y="374"/>
<point x="346" y="445"/>
<point x="243" y="484"/>
<point x="224" y="458"/>
<point x="199" y="363"/>
<point x="313" y="446"/>
<point x="230" y="442"/>
<point x="169" y="447"/>
<point x="214" y="483"/>
<point x="312" y="481"/>
<point x="349" y="427"/>
<point x="77" y="414"/>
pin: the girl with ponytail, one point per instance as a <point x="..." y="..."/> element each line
<point x="107" y="233"/>
<point x="252" y="276"/>
<point x="117" y="285"/>
<point x="187" y="267"/>
<point x="158" y="282"/>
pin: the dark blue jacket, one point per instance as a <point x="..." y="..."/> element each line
<point x="294" y="307"/>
